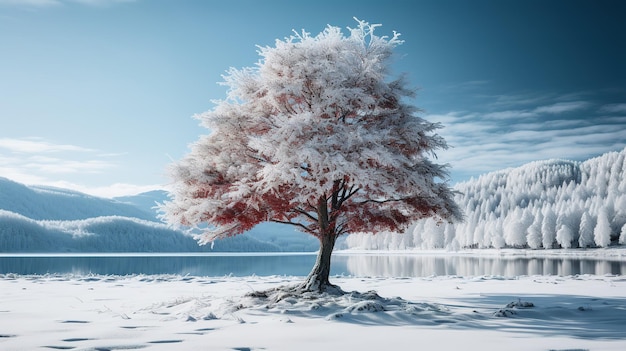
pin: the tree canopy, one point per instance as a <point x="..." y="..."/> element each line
<point x="317" y="135"/>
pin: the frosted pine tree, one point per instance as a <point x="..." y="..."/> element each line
<point x="497" y="240"/>
<point x="602" y="231"/>
<point x="585" y="231"/>
<point x="622" y="235"/>
<point x="548" y="228"/>
<point x="450" y="241"/>
<point x="515" y="229"/>
<point x="533" y="236"/>
<point x="564" y="236"/>
<point x="434" y="234"/>
<point x="319" y="136"/>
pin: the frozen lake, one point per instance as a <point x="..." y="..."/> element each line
<point x="299" y="264"/>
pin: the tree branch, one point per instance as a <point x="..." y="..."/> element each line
<point x="351" y="192"/>
<point x="300" y="225"/>
<point x="252" y="153"/>
<point x="383" y="201"/>
<point x="313" y="208"/>
<point x="306" y="214"/>
<point x="342" y="228"/>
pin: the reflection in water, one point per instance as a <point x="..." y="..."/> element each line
<point x="209" y="265"/>
<point x="301" y="264"/>
<point x="423" y="266"/>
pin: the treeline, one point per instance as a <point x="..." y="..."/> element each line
<point x="543" y="204"/>
<point x="107" y="234"/>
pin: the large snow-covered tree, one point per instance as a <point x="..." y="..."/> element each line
<point x="319" y="136"/>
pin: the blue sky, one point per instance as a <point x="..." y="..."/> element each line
<point x="97" y="95"/>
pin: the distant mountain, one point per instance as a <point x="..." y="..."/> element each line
<point x="146" y="202"/>
<point x="47" y="203"/>
<point x="46" y="219"/>
<point x="543" y="204"/>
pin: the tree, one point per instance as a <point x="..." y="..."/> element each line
<point x="516" y="226"/>
<point x="533" y="236"/>
<point x="317" y="136"/>
<point x="602" y="231"/>
<point x="548" y="228"/>
<point x="564" y="236"/>
<point x="585" y="231"/>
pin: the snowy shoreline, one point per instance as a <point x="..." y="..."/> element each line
<point x="613" y="253"/>
<point x="164" y="312"/>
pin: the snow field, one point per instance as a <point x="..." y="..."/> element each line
<point x="213" y="313"/>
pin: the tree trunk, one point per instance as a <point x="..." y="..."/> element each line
<point x="318" y="278"/>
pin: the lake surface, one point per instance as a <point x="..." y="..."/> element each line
<point x="262" y="264"/>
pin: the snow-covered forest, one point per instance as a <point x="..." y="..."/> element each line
<point x="543" y="204"/>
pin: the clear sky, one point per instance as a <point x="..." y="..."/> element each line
<point x="97" y="95"/>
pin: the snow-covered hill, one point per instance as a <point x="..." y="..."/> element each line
<point x="43" y="219"/>
<point x="543" y="204"/>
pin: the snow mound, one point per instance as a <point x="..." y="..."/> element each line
<point x="285" y="301"/>
<point x="511" y="308"/>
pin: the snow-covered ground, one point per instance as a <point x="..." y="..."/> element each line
<point x="163" y="312"/>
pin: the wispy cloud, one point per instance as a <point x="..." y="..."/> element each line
<point x="37" y="145"/>
<point x="613" y="108"/>
<point x="561" y="107"/>
<point x="551" y="109"/>
<point x="48" y="165"/>
<point x="508" y="101"/>
<point x="37" y="161"/>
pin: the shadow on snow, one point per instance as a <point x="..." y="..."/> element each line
<point x="541" y="315"/>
